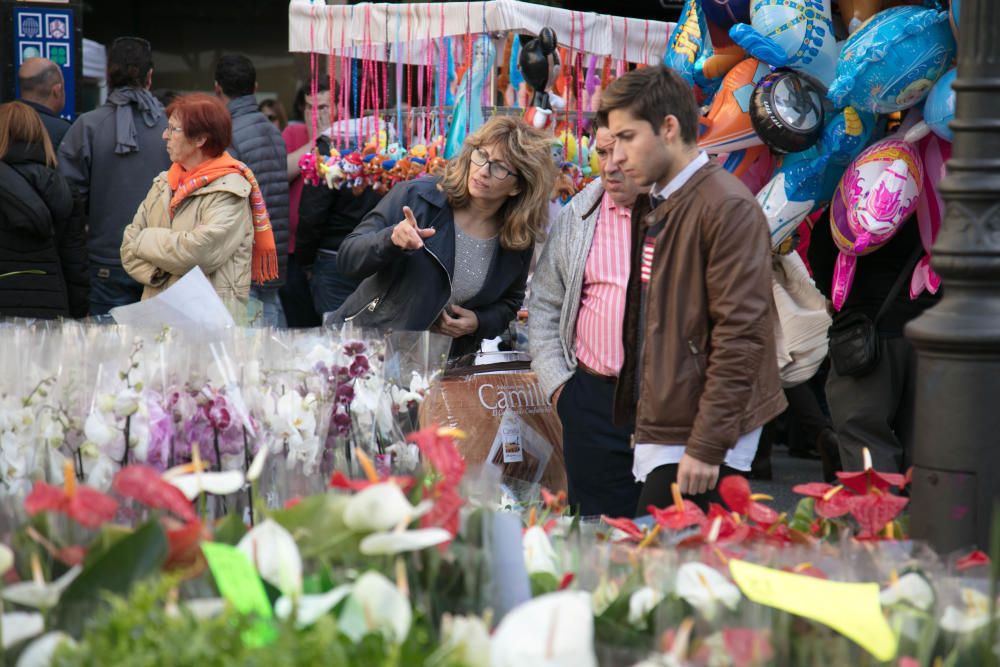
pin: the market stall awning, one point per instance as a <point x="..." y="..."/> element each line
<point x="349" y="29"/>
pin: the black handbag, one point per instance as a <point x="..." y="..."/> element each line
<point x="854" y="339"/>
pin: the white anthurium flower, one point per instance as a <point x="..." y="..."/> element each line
<point x="402" y="541"/>
<point x="704" y="588"/>
<point x="6" y="559"/>
<point x="465" y="640"/>
<point x="974" y="615"/>
<point x="641" y="603"/>
<point x="554" y="630"/>
<point x="376" y="605"/>
<point x="40" y="595"/>
<point x="380" y="508"/>
<point x="310" y="608"/>
<point x="539" y="556"/>
<point x="18" y="626"/>
<point x="273" y="551"/>
<point x="40" y="652"/>
<point x="604" y="595"/>
<point x="194" y="484"/>
<point x="911" y="589"/>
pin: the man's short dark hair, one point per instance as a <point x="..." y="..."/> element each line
<point x="130" y="60"/>
<point x="236" y="75"/>
<point x="651" y="94"/>
<point x="42" y="83"/>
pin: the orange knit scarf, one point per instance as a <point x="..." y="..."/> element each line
<point x="182" y="183"/>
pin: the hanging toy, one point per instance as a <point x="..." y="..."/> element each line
<point x="517" y="89"/>
<point x="585" y="166"/>
<point x="877" y="194"/>
<point x="791" y="33"/>
<point x="806" y="181"/>
<point x="468" y="110"/>
<point x="353" y="168"/>
<point x="891" y="62"/>
<point x="308" y="168"/>
<point x="786" y="111"/>
<point x="727" y="127"/>
<point x="592" y="85"/>
<point x="538" y="63"/>
<point x="568" y="146"/>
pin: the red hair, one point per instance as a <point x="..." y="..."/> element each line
<point x="202" y="115"/>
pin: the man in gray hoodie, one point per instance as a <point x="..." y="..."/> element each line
<point x="258" y="144"/>
<point x="575" y="317"/>
<point x="111" y="156"/>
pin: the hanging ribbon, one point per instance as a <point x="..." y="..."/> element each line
<point x="399" y="83"/>
<point x="313" y="70"/>
<point x="579" y="93"/>
<point x="409" y="78"/>
<point x="442" y="77"/>
<point x="469" y="64"/>
<point x="329" y="67"/>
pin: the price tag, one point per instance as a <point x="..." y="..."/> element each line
<point x="851" y="609"/>
<point x="240" y="584"/>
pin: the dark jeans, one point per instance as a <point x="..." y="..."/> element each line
<point x="111" y="286"/>
<point x="273" y="314"/>
<point x="876" y="411"/>
<point x="329" y="289"/>
<point x="656" y="490"/>
<point x="597" y="453"/>
<point x="296" y="300"/>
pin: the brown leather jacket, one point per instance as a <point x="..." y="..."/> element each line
<point x="709" y="372"/>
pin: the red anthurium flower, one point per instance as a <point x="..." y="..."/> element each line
<point x="633" y="532"/>
<point x="680" y="515"/>
<point x="831" y="501"/>
<point x="88" y="507"/>
<point x="869" y="478"/>
<point x="445" y="512"/>
<point x="184" y="546"/>
<point x="437" y="445"/>
<point x="735" y="492"/>
<point x="72" y="555"/>
<point x="340" y="481"/>
<point x="975" y="559"/>
<point x="144" y="484"/>
<point x="907" y="661"/>
<point x="747" y="647"/>
<point x="554" y="502"/>
<point x="874" y="511"/>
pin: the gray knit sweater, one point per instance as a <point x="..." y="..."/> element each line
<point x="556" y="288"/>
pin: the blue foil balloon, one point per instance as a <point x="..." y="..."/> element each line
<point x="791" y="33"/>
<point x="726" y="13"/>
<point x="687" y="41"/>
<point x="939" y="109"/>
<point x="468" y="109"/>
<point x="892" y="60"/>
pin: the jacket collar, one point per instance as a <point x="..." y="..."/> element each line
<point x="241" y="106"/>
<point x="20" y="152"/>
<point x="682" y="194"/>
<point x="40" y="108"/>
<point x="586" y="199"/>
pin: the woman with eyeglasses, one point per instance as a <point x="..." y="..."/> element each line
<point x="452" y="254"/>
<point x="206" y="211"/>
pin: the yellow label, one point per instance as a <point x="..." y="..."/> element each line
<point x="853" y="610"/>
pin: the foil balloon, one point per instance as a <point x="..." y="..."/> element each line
<point x="791" y="33"/>
<point x="511" y="95"/>
<point x="877" y="194"/>
<point x="727" y="127"/>
<point x="468" y="114"/>
<point x="953" y="12"/>
<point x="939" y="109"/>
<point x="726" y="13"/>
<point x="536" y="61"/>
<point x="786" y="111"/>
<point x="891" y="62"/>
<point x="934" y="152"/>
<point x="806" y="181"/>
<point x="724" y="54"/>
<point x="687" y="41"/>
<point x="856" y="12"/>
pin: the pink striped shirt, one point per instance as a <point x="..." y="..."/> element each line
<point x="602" y="301"/>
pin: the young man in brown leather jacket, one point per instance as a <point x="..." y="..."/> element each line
<point x="700" y="377"/>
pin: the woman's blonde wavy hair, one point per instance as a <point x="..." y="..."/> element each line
<point x="528" y="152"/>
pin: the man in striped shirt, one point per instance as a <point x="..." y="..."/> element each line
<point x="575" y="316"/>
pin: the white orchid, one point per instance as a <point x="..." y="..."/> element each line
<point x="405" y="456"/>
<point x="98" y="431"/>
<point x="974" y="614"/>
<point x="554" y="630"/>
<point x="380" y="508"/>
<point x="912" y="589"/>
<point x="704" y="588"/>
<point x="295" y="423"/>
<point x="539" y="556"/>
<point x="641" y="603"/>
<point x="376" y="605"/>
<point x="273" y="552"/>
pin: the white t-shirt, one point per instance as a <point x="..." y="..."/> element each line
<point x="649" y="457"/>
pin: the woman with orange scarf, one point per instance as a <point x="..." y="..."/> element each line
<point x="206" y="211"/>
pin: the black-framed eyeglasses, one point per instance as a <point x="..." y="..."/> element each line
<point x="497" y="169"/>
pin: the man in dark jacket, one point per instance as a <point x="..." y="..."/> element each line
<point x="700" y="376"/>
<point x="326" y="217"/>
<point x="111" y="156"/>
<point x="258" y="143"/>
<point x="42" y="88"/>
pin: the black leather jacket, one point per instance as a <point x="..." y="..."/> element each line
<point x="407" y="290"/>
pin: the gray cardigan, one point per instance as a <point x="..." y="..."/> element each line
<point x="556" y="288"/>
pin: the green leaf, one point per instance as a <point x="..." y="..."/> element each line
<point x="805" y="514"/>
<point x="110" y="535"/>
<point x="317" y="524"/>
<point x="125" y="562"/>
<point x="542" y="583"/>
<point x="230" y="530"/>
